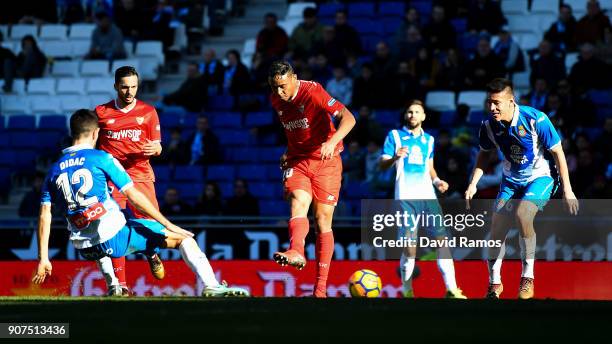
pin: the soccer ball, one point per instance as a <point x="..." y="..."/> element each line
<point x="365" y="283"/>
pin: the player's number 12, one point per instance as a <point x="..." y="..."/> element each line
<point x="81" y="175"/>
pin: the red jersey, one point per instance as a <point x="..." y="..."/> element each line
<point x="307" y="120"/>
<point x="122" y="134"/>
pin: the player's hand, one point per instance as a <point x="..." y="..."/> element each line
<point x="44" y="269"/>
<point x="151" y="148"/>
<point x="469" y="194"/>
<point x="571" y="202"/>
<point x="442" y="186"/>
<point x="178" y="230"/>
<point x="401" y="153"/>
<point x="283" y="161"/>
<point x="327" y="150"/>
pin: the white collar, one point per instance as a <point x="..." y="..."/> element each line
<point x="127" y="108"/>
<point x="515" y="116"/>
<point x="78" y="147"/>
<point x="421" y="132"/>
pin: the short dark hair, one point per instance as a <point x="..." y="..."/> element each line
<point x="124" y="71"/>
<point x="499" y="85"/>
<point x="82" y="122"/>
<point x="279" y="68"/>
<point x="271" y="15"/>
<point x="309" y="12"/>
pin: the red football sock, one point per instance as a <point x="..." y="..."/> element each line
<point x="119" y="268"/>
<point x="298" y="229"/>
<point x="325" y="251"/>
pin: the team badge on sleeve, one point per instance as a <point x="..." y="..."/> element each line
<point x="331" y="102"/>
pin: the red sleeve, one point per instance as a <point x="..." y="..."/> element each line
<point x="325" y="102"/>
<point x="154" y="127"/>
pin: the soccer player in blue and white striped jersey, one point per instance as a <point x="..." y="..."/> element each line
<point x="533" y="162"/>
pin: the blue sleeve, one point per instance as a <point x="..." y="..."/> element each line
<point x="389" y="146"/>
<point x="485" y="142"/>
<point x="115" y="172"/>
<point x="547" y="134"/>
<point x="45" y="197"/>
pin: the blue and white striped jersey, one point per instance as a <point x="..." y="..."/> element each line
<point x="525" y="144"/>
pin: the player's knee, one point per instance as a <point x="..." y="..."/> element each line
<point x="324" y="220"/>
<point x="524" y="215"/>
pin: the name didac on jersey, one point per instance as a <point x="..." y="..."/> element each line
<point x="132" y="134"/>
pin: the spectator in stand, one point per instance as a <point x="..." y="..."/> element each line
<point x="574" y="103"/>
<point x="7" y="66"/>
<point x="603" y="50"/>
<point x="70" y="12"/>
<point x="424" y="69"/>
<point x="30" y="203"/>
<point x="372" y="169"/>
<point x="539" y="95"/>
<point x="106" y="40"/>
<point x="439" y="33"/>
<point x="306" y="35"/>
<point x="367" y="128"/>
<point x="407" y="45"/>
<point x="160" y="27"/>
<point x="329" y="47"/>
<point x="192" y="93"/>
<point x="353" y="66"/>
<point x="176" y="151"/>
<point x="272" y="40"/>
<point x="259" y="73"/>
<point x="367" y="88"/>
<point x="320" y="69"/>
<point x="449" y="75"/>
<point x="341" y="86"/>
<point x="204" y="144"/>
<point x="210" y="202"/>
<point x="589" y="72"/>
<point x="242" y="203"/>
<point x="353" y="163"/>
<point x="562" y="33"/>
<point x="411" y="18"/>
<point x="237" y="80"/>
<point x="346" y="35"/>
<point x="547" y="65"/>
<point x="130" y="19"/>
<point x="174" y="205"/>
<point x="590" y="28"/>
<point x="509" y="52"/>
<point x="604" y="141"/>
<point x="485" y="16"/>
<point x="483" y="67"/>
<point x="406" y="86"/>
<point x="31" y="62"/>
<point x="384" y="63"/>
<point x="212" y="71"/>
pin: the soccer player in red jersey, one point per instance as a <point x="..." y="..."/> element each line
<point x="130" y="132"/>
<point x="312" y="168"/>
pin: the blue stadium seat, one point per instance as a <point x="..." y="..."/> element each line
<point x="460" y="25"/>
<point x="229" y="137"/>
<point x="163" y="173"/>
<point x="275" y="174"/>
<point x="391" y="25"/>
<point x="475" y="118"/>
<point x="189" y="173"/>
<point x="467" y="43"/>
<point x="227" y="189"/>
<point x="221" y="172"/>
<point x="22" y="122"/>
<point x="25" y="159"/>
<point x="160" y="190"/>
<point x="271" y="154"/>
<point x="188" y="192"/>
<point x="602" y="113"/>
<point x="7" y="157"/>
<point x="252" y="172"/>
<point x="360" y="9"/>
<point x="4" y="141"/>
<point x="249" y="154"/>
<point x="189" y="119"/>
<point x="424" y="7"/>
<point x="5" y="177"/>
<point x="258" y="119"/>
<point x="53" y="122"/>
<point x="269" y="139"/>
<point x="264" y="190"/>
<point x="369" y="42"/>
<point x="223" y="102"/>
<point x="23" y="139"/>
<point x="49" y="139"/>
<point x="169" y="120"/>
<point x="447" y="118"/>
<point x="226" y="120"/>
<point x="273" y="208"/>
<point x="367" y="26"/>
<point x="329" y="9"/>
<point x="601" y="97"/>
<point x="391" y="9"/>
<point x="172" y="110"/>
<point x="593" y="133"/>
<point x="357" y="190"/>
<point x="388" y="117"/>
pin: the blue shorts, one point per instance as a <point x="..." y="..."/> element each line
<point x="137" y="236"/>
<point x="432" y="227"/>
<point x="538" y="191"/>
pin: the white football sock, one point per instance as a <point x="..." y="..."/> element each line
<point x="406" y="269"/>
<point x="495" y="265"/>
<point x="447" y="268"/>
<point x="198" y="263"/>
<point x="105" y="264"/>
<point x="528" y="247"/>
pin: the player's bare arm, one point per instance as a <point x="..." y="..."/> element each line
<point x="152" y="148"/>
<point x="347" y="122"/>
<point x="143" y="204"/>
<point x="440" y="184"/>
<point x="569" y="198"/>
<point x="44" y="230"/>
<point x="385" y="162"/>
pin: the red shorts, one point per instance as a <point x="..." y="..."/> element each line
<point x="147" y="188"/>
<point x="320" y="178"/>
